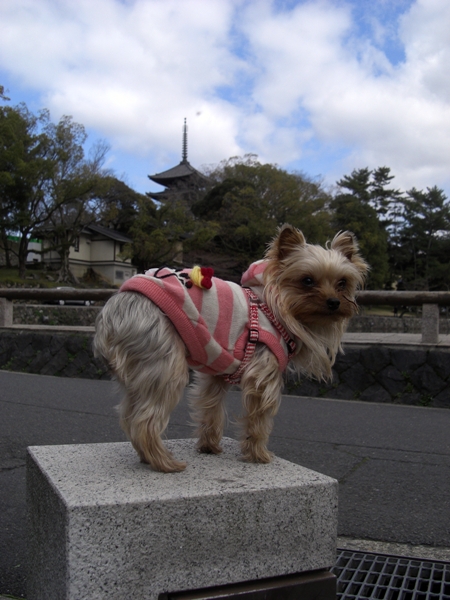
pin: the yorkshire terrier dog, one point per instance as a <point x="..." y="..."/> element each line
<point x="291" y="310"/>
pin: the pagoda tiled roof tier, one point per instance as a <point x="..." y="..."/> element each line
<point x="184" y="169"/>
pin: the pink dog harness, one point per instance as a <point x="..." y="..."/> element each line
<point x="220" y="322"/>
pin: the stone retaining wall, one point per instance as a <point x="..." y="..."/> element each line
<point x="418" y="375"/>
<point x="47" y="353"/>
<point x="43" y="314"/>
<point x="39" y="314"/>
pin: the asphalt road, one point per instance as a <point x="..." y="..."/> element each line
<point x="392" y="462"/>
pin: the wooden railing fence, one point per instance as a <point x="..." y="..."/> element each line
<point x="430" y="302"/>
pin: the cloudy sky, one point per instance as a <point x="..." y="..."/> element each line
<point x="319" y="86"/>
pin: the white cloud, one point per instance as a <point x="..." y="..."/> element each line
<point x="132" y="71"/>
<point x="425" y="32"/>
<point x="395" y="116"/>
<point x="250" y="76"/>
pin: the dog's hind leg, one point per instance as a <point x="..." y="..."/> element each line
<point x="148" y="358"/>
<point x="261" y="394"/>
<point x="145" y="415"/>
<point x="206" y="398"/>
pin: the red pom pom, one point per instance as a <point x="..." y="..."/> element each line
<point x="207" y="273"/>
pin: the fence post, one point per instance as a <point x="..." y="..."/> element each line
<point x="6" y="313"/>
<point x="430" y="323"/>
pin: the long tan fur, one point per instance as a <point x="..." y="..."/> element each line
<point x="309" y="289"/>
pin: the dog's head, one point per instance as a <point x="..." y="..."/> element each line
<point x="312" y="284"/>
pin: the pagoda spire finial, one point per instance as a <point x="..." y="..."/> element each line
<point x="184" y="153"/>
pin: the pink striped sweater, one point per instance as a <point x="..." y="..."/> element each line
<point x="213" y="323"/>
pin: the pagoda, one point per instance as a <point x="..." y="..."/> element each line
<point x="183" y="184"/>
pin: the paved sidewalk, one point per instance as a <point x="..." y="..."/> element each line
<point x="354" y="338"/>
<point x="402" y="339"/>
<point x="392" y="461"/>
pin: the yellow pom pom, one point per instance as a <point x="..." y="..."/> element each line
<point x="196" y="276"/>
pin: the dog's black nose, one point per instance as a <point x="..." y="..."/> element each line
<point x="333" y="303"/>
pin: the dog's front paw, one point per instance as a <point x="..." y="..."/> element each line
<point x="260" y="457"/>
<point x="255" y="452"/>
<point x="208" y="448"/>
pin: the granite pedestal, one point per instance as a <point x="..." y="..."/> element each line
<point x="103" y="525"/>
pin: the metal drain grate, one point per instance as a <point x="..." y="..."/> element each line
<point x="362" y="575"/>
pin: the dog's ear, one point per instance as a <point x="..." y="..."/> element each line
<point x="345" y="243"/>
<point x="288" y="239"/>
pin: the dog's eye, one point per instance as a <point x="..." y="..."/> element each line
<point x="308" y="281"/>
<point x="342" y="283"/>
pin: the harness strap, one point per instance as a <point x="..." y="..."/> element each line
<point x="254" y="305"/>
<point x="253" y="338"/>
<point x="290" y="343"/>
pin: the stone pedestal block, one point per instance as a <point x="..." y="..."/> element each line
<point x="103" y="525"/>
